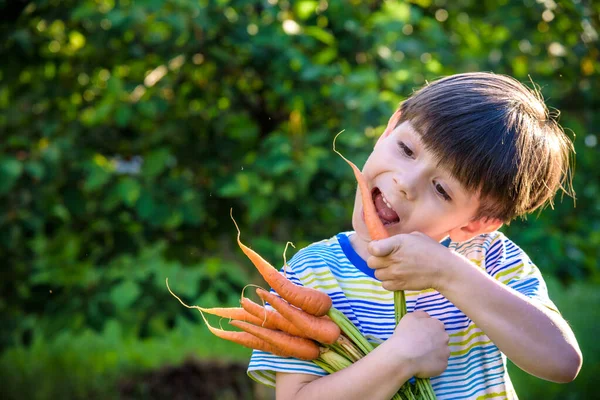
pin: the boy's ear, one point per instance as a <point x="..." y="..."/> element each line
<point x="474" y="228"/>
<point x="393" y="121"/>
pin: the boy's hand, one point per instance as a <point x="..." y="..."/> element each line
<point x="422" y="343"/>
<point x="408" y="261"/>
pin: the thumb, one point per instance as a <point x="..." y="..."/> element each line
<point x="420" y="314"/>
<point x="384" y="247"/>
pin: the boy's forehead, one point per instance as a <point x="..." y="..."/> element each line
<point x="407" y="128"/>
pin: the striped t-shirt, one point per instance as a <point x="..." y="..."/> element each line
<point x="476" y="368"/>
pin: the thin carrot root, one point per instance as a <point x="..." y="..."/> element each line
<point x="260" y="314"/>
<point x="237" y="313"/>
<point x="304" y="349"/>
<point x="243" y="338"/>
<point x="320" y="329"/>
<point x="272" y="319"/>
<point x="224" y="312"/>
<point x="284" y="260"/>
<point x="374" y="225"/>
<point x="244" y="289"/>
<point x="308" y="299"/>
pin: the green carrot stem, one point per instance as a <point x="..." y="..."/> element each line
<point x="425" y="389"/>
<point x="399" y="305"/>
<point x="349" y="349"/>
<point x="324" y="365"/>
<point x="350" y="330"/>
<point x="407" y="390"/>
<point x="335" y="360"/>
<point x="424" y="385"/>
<point x="339" y="349"/>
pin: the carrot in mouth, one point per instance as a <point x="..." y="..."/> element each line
<point x="374" y="225"/>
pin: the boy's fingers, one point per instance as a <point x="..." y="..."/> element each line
<point x="375" y="262"/>
<point x="417" y="233"/>
<point x="420" y="314"/>
<point x="384" y="247"/>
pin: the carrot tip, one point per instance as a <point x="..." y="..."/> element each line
<point x="340" y="154"/>
<point x="244" y="288"/>
<point x="284" y="260"/>
<point x="235" y="223"/>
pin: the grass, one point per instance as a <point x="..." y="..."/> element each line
<point x="87" y="366"/>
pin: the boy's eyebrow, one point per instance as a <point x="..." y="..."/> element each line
<point x="415" y="134"/>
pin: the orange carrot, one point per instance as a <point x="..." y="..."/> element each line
<point x="272" y="318"/>
<point x="228" y="312"/>
<point x="323" y="330"/>
<point x="304" y="349"/>
<point x="374" y="225"/>
<point x="308" y="299"/>
<point x="232" y="313"/>
<point x="245" y="339"/>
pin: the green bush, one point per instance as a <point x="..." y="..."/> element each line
<point x="130" y="129"/>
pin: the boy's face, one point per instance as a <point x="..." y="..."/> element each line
<point x="411" y="193"/>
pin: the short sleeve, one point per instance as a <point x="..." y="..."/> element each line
<point x="510" y="265"/>
<point x="263" y="366"/>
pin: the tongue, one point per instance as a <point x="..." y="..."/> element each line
<point x="385" y="213"/>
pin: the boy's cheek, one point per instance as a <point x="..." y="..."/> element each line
<point x="357" y="210"/>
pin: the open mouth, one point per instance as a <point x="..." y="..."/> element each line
<point x="386" y="213"/>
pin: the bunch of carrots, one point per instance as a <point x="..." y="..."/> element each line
<point x="302" y="322"/>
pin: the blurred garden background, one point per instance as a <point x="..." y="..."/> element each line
<point x="129" y="129"/>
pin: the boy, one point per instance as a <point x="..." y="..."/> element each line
<point x="462" y="156"/>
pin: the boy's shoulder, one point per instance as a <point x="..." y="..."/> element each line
<point x="323" y="255"/>
<point x="323" y="246"/>
<point x="488" y="246"/>
<point x="479" y="245"/>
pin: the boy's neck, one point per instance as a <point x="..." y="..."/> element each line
<point x="359" y="245"/>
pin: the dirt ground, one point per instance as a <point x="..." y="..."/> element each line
<point x="195" y="380"/>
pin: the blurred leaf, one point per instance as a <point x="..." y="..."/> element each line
<point x="305" y="8"/>
<point x="35" y="169"/>
<point x="130" y="190"/>
<point x="321" y="35"/>
<point x="10" y="171"/>
<point x="124" y="294"/>
<point x="155" y="162"/>
<point x="97" y="177"/>
<point x="145" y="205"/>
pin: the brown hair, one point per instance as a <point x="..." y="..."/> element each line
<point x="496" y="137"/>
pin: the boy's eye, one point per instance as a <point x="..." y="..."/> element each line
<point x="440" y="189"/>
<point x="405" y="149"/>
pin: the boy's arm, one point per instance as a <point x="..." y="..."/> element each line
<point x="419" y="347"/>
<point x="377" y="376"/>
<point x="534" y="337"/>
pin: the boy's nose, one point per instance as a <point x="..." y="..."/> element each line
<point x="406" y="185"/>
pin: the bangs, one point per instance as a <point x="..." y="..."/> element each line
<point x="493" y="136"/>
<point x="475" y="149"/>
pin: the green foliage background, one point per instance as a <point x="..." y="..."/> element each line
<point x="129" y="129"/>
